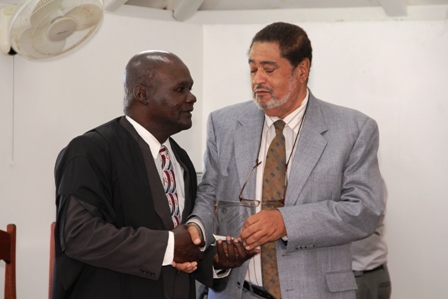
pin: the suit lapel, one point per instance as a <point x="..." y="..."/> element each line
<point x="157" y="192"/>
<point x="188" y="202"/>
<point x="247" y="142"/>
<point x="310" y="146"/>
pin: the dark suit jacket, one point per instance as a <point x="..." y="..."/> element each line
<point x="110" y="173"/>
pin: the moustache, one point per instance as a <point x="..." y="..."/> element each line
<point x="261" y="87"/>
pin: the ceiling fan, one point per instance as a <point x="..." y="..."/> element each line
<point x="42" y="29"/>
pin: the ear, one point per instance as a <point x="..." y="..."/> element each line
<point x="303" y="70"/>
<point x="139" y="93"/>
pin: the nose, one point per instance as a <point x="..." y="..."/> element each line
<point x="258" y="77"/>
<point x="191" y="98"/>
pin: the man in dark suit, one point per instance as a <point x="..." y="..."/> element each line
<point x="124" y="190"/>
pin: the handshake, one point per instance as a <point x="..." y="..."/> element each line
<point x="187" y="243"/>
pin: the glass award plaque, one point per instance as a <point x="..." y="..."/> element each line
<point x="230" y="217"/>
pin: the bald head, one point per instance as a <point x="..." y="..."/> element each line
<point x="143" y="69"/>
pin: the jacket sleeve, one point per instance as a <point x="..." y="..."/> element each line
<point x="93" y="241"/>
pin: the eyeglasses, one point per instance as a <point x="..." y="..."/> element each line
<point x="269" y="204"/>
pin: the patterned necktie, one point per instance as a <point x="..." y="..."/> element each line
<point x="169" y="184"/>
<point x="274" y="178"/>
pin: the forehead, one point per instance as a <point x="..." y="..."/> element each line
<point x="265" y="52"/>
<point x="174" y="72"/>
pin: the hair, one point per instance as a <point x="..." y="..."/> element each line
<point x="292" y="40"/>
<point x="132" y="76"/>
<point x="141" y="69"/>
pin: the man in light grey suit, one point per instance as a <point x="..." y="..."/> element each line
<point x="334" y="190"/>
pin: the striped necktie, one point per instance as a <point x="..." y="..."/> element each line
<point x="169" y="184"/>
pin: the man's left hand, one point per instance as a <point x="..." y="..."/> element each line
<point x="231" y="254"/>
<point x="263" y="227"/>
<point x="186" y="267"/>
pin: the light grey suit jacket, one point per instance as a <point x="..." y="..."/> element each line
<point x="334" y="195"/>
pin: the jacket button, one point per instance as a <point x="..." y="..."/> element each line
<point x="238" y="284"/>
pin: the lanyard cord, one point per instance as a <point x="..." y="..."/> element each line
<point x="295" y="139"/>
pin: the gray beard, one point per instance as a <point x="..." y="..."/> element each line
<point x="273" y="102"/>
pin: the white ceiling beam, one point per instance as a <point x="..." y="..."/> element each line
<point x="184" y="9"/>
<point x="394" y="8"/>
<point x="113" y="5"/>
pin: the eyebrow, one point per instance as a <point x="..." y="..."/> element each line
<point x="185" y="83"/>
<point x="263" y="63"/>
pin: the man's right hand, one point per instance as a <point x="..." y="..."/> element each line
<point x="184" y="248"/>
<point x="195" y="233"/>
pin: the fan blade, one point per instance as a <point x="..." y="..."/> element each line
<point x="85" y="16"/>
<point x="36" y="44"/>
<point x="43" y="12"/>
<point x="44" y="45"/>
<point x="24" y="44"/>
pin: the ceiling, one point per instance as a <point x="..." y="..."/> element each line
<point x="184" y="9"/>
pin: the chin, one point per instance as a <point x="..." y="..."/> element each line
<point x="265" y="106"/>
<point x="187" y="126"/>
<point x="261" y="105"/>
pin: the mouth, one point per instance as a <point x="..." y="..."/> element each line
<point x="189" y="111"/>
<point x="261" y="93"/>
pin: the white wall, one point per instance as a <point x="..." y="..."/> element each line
<point x="395" y="71"/>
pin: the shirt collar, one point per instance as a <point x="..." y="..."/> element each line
<point x="153" y="143"/>
<point x="293" y="119"/>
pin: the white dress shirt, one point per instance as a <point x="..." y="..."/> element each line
<point x="291" y="131"/>
<point x="154" y="146"/>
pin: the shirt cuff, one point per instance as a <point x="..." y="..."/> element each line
<point x="169" y="252"/>
<point x="221" y="273"/>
